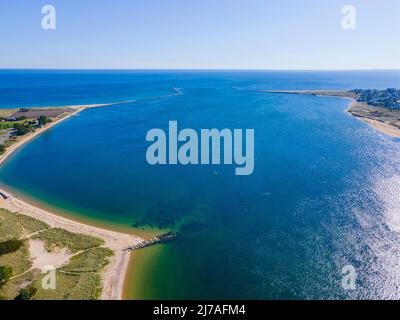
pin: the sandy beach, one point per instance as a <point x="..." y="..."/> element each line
<point x="380" y="126"/>
<point x="383" y="127"/>
<point x="115" y="272"/>
<point x="361" y="111"/>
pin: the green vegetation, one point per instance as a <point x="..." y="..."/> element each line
<point x="43" y="120"/>
<point x="9" y="226"/>
<point x="60" y="238"/>
<point x="31" y="225"/>
<point x="10" y="246"/>
<point x="5" y="274"/>
<point x="15" y="123"/>
<point x="79" y="279"/>
<point x="26" y="293"/>
<point x="18" y="260"/>
<point x="18" y="282"/>
<point x="22" y="125"/>
<point x="92" y="260"/>
<point x="9" y="124"/>
<point x="14" y="225"/>
<point x="22" y="128"/>
<point x="86" y="286"/>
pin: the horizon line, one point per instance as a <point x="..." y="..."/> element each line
<point x="191" y="69"/>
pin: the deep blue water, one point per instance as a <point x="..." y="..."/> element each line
<point x="324" y="193"/>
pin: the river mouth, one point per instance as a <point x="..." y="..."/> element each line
<point x="284" y="232"/>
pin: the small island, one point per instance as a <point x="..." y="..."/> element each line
<point x="378" y="108"/>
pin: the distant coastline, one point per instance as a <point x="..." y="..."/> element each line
<point x="115" y="273"/>
<point x="26" y="138"/>
<point x="70" y="112"/>
<point x="384" y="120"/>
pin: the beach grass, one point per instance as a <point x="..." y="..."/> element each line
<point x="11" y="289"/>
<point x="10" y="228"/>
<point x="14" y="225"/>
<point x="86" y="286"/>
<point x="19" y="260"/>
<point x="60" y="238"/>
<point x="92" y="260"/>
<point x="78" y="279"/>
<point x="31" y="225"/>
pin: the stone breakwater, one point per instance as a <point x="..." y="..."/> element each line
<point x="165" y="238"/>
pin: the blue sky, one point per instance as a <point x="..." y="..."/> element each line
<point x="204" y="34"/>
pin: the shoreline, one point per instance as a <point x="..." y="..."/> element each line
<point x="355" y="109"/>
<point x="381" y="126"/>
<point x="26" y="138"/>
<point x="115" y="273"/>
<point x="113" y="283"/>
<point x="78" y="108"/>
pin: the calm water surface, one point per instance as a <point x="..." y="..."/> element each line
<point x="324" y="193"/>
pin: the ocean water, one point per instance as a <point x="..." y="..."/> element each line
<point x="323" y="195"/>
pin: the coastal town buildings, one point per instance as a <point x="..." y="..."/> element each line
<point x="389" y="98"/>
